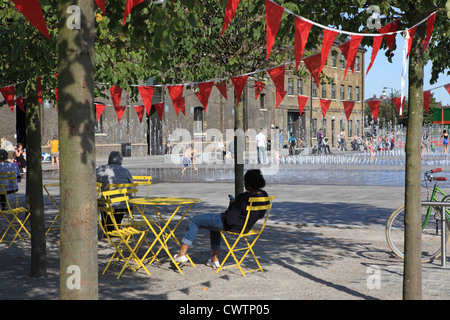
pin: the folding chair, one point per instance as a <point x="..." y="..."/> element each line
<point x="12" y="215"/>
<point x="9" y="178"/>
<point x="143" y="181"/>
<point x="254" y="205"/>
<point x="121" y="193"/>
<point x="99" y="189"/>
<point x="46" y="188"/>
<point x="125" y="240"/>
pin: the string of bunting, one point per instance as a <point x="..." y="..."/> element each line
<point x="273" y="14"/>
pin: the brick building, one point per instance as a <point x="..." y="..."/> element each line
<point x="150" y="135"/>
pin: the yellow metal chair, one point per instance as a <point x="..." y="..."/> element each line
<point x="46" y="188"/>
<point x="249" y="237"/>
<point x="121" y="193"/>
<point x="99" y="189"/>
<point x="9" y="178"/>
<point x="12" y="215"/>
<point x="143" y="181"/>
<point x="126" y="240"/>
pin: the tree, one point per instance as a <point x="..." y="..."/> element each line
<point x="32" y="55"/>
<point x="78" y="230"/>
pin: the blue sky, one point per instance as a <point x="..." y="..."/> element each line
<point x="386" y="74"/>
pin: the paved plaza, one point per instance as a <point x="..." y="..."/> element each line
<point x="323" y="241"/>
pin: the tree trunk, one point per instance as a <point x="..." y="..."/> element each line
<point x="412" y="275"/>
<point x="34" y="192"/>
<point x="79" y="243"/>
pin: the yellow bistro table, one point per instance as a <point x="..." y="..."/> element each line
<point x="163" y="233"/>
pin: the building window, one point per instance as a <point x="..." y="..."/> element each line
<point x="333" y="91"/>
<point x="98" y="124"/>
<point x="333" y="59"/>
<point x="349" y="93"/>
<point x="357" y="94"/>
<point x="324" y="91"/>
<point x="290" y="86"/>
<point x="262" y="101"/>
<point x="350" y="128"/>
<point x="357" y="65"/>
<point x="357" y="127"/>
<point x="314" y="89"/>
<point x="342" y="61"/>
<point x="342" y="92"/>
<point x="299" y="86"/>
<point x="314" y="127"/>
<point x="198" y="119"/>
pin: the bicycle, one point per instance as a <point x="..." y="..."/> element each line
<point x="431" y="232"/>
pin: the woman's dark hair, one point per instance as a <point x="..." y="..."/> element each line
<point x="254" y="179"/>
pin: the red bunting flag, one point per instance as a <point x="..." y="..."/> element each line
<point x="349" y="50"/>
<point x="39" y="89"/>
<point x="259" y="86"/>
<point x="398" y="105"/>
<point x="8" y="95"/>
<point x="230" y="11"/>
<point x="374" y="107"/>
<point x="313" y="64"/>
<point x="99" y="108"/>
<point x="159" y="107"/>
<point x="411" y="33"/>
<point x="447" y="87"/>
<point x="140" y="112"/>
<point x="222" y="87"/>
<point x="56" y="87"/>
<point x="429" y="31"/>
<point x="204" y="93"/>
<point x="176" y="94"/>
<point x="302" y="29"/>
<point x="325" y="105"/>
<point x="19" y="103"/>
<point x="348" y="108"/>
<point x="31" y="9"/>
<point x="128" y="7"/>
<point x="116" y="95"/>
<point x="301" y="102"/>
<point x="239" y="84"/>
<point x="426" y="100"/>
<point x="146" y="93"/>
<point x="279" y="96"/>
<point x="277" y="76"/>
<point x="390" y="39"/>
<point x="274" y="13"/>
<point x="375" y="47"/>
<point x="120" y="110"/>
<point x="101" y="5"/>
<point x="327" y="42"/>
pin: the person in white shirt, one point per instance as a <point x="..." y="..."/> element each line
<point x="261" y="143"/>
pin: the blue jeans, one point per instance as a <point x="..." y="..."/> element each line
<point x="261" y="154"/>
<point x="209" y="221"/>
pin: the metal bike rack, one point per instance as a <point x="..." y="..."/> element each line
<point x="443" y="205"/>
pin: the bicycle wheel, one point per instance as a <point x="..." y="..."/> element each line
<point x="431" y="233"/>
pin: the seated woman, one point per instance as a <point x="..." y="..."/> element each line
<point x="232" y="219"/>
